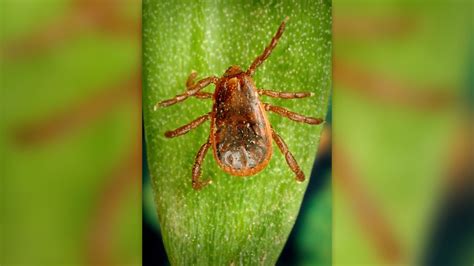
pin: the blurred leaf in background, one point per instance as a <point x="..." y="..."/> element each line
<point x="70" y="87"/>
<point x="399" y="72"/>
<point x="234" y="220"/>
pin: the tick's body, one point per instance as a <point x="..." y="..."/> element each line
<point x="240" y="131"/>
<point x="241" y="135"/>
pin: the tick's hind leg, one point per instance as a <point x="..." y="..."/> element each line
<point x="284" y="95"/>
<point x="268" y="50"/>
<point x="198" y="184"/>
<point x="186" y="128"/>
<point x="292" y="115"/>
<point x="288" y="156"/>
<point x="191" y="91"/>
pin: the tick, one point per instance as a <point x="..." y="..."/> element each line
<point x="241" y="135"/>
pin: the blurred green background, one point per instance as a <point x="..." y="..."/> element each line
<point x="71" y="143"/>
<point x="400" y="79"/>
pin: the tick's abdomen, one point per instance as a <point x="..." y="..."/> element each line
<point x="240" y="132"/>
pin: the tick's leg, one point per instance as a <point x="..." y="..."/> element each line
<point x="284" y="95"/>
<point x="293" y="116"/>
<point x="186" y="128"/>
<point x="190" y="83"/>
<point x="288" y="156"/>
<point x="203" y="95"/>
<point x="189" y="92"/>
<point x="268" y="50"/>
<point x="197" y="184"/>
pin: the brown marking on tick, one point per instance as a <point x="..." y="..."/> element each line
<point x="241" y="135"/>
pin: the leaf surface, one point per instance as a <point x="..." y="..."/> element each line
<point x="233" y="220"/>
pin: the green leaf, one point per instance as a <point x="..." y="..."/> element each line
<point x="234" y="220"/>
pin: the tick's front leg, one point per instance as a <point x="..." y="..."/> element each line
<point x="288" y="156"/>
<point x="197" y="184"/>
<point x="284" y="95"/>
<point x="292" y="115"/>
<point x="190" y="83"/>
<point x="268" y="50"/>
<point x="189" y="92"/>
